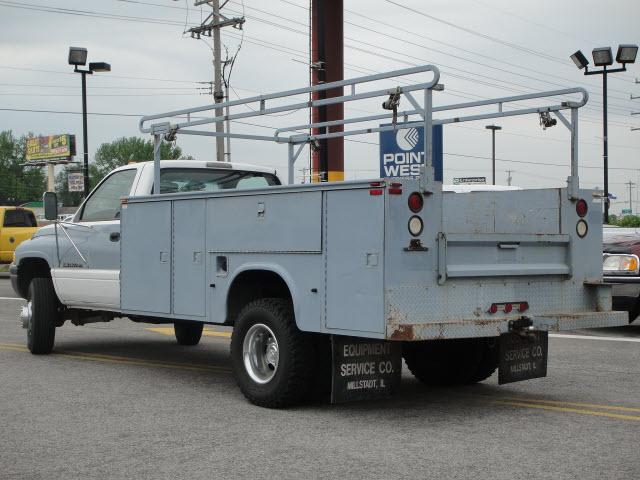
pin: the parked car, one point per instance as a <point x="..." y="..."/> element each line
<point x="16" y="225"/>
<point x="621" y="266"/>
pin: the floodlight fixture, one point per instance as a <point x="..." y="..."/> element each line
<point x="77" y="56"/>
<point x="580" y="60"/>
<point x="602" y="57"/>
<point x="627" y="53"/>
<point x="99" y="67"/>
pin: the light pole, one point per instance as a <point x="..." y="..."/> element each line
<point x="77" y="58"/>
<point x="493" y="129"/>
<point x="603" y="57"/>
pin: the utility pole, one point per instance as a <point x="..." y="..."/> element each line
<point x="493" y="129"/>
<point x="631" y="184"/>
<point x="509" y="177"/>
<point x="327" y="65"/>
<point x="210" y="27"/>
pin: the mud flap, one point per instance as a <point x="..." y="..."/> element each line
<point x="364" y="368"/>
<point x="523" y="356"/>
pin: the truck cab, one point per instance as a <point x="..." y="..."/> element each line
<point x="84" y="259"/>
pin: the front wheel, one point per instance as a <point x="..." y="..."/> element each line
<point x="188" y="333"/>
<point x="41" y="315"/>
<point x="273" y="361"/>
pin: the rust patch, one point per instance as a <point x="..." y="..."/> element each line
<point x="402" y="332"/>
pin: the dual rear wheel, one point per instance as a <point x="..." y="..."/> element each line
<point x="452" y="362"/>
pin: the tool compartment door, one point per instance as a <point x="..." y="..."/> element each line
<point x="145" y="272"/>
<point x="354" y="243"/>
<point x="189" y="282"/>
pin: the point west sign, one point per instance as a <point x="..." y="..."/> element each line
<point x="402" y="152"/>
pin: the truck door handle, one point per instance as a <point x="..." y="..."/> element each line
<point x="114" y="236"/>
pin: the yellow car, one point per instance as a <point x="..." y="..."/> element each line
<point x="16" y="225"/>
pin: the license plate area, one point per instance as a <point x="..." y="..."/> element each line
<point x="523" y="356"/>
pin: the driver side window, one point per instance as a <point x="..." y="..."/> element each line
<point x="104" y="203"/>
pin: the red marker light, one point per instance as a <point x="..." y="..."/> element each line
<point x="523" y="307"/>
<point x="507" y="308"/>
<point x="581" y="207"/>
<point x="493" y="308"/>
<point x="416" y="202"/>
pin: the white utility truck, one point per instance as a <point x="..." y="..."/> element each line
<point x="328" y="285"/>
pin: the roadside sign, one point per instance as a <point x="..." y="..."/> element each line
<point x="402" y="152"/>
<point x="75" y="182"/>
<point x="626" y="211"/>
<point x="51" y="148"/>
<point x="364" y="368"/>
<point x="469" y="180"/>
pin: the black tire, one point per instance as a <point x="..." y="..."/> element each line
<point x="188" y="333"/>
<point x="490" y="360"/>
<point x="41" y="327"/>
<point x="292" y="379"/>
<point x="451" y="362"/>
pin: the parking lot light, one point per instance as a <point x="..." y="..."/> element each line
<point x="627" y="53"/>
<point x="77" y="56"/>
<point x="602" y="57"/>
<point x="580" y="60"/>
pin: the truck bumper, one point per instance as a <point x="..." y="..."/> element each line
<point x="495" y="327"/>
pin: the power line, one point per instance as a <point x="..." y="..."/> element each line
<point x="483" y="35"/>
<point x="152" y="20"/>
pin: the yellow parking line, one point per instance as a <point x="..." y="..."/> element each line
<point x="572" y="404"/>
<point x="122" y="360"/>
<point x="632" y="418"/>
<point x="207" y="332"/>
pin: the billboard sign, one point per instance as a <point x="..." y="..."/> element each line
<point x="402" y="152"/>
<point x="51" y="148"/>
<point x="75" y="182"/>
<point x="470" y="180"/>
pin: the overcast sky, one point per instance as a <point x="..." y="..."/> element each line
<point x="485" y="49"/>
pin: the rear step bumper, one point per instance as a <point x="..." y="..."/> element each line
<point x="495" y="327"/>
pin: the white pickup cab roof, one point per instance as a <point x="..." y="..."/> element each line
<point x="202" y="164"/>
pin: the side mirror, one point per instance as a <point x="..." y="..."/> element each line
<point x="50" y="201"/>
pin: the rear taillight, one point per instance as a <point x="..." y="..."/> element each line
<point x="582" y="228"/>
<point x="416" y="202"/>
<point x="581" y="207"/>
<point x="375" y="188"/>
<point x="508" y="307"/>
<point x="395" y="189"/>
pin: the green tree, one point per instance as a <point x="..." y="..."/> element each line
<point x="629" y="221"/>
<point x="18" y="184"/>
<point x="125" y="150"/>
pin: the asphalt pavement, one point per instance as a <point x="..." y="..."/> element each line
<point x="123" y="401"/>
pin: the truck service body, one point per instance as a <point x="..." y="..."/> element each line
<point x="337" y="280"/>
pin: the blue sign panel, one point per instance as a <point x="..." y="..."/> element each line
<point x="402" y="152"/>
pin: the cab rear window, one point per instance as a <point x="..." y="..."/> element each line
<point x="19" y="218"/>
<point x="175" y="180"/>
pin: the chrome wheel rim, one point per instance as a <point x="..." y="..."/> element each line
<point x="260" y="353"/>
<point x="26" y="315"/>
